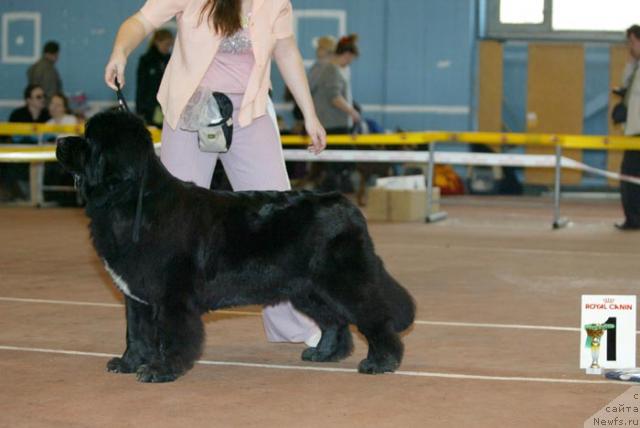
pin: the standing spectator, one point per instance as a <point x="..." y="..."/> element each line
<point x="60" y="112"/>
<point x="150" y="71"/>
<point x="325" y="48"/>
<point x="629" y="192"/>
<point x="332" y="91"/>
<point x="332" y="98"/>
<point x="34" y="109"/>
<point x="44" y="72"/>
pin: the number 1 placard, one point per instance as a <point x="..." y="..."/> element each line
<point x="609" y="339"/>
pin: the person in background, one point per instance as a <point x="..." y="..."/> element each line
<point x="325" y="47"/>
<point x="332" y="98"/>
<point x="149" y="75"/>
<point x="60" y="112"/>
<point x="44" y="72"/>
<point x="630" y="192"/>
<point x="15" y="177"/>
<point x="301" y="172"/>
<point x="34" y="110"/>
<point x="54" y="174"/>
<point x="332" y="90"/>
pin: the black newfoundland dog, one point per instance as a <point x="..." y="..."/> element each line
<point x="177" y="251"/>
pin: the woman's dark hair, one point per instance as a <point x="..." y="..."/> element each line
<point x="348" y="44"/>
<point x="65" y="101"/>
<point x="224" y="14"/>
<point x="635" y="30"/>
<point x="159" y="36"/>
<point x="29" y="89"/>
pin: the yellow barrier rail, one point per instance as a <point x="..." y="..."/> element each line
<point x="566" y="141"/>
<point x="41" y="129"/>
<point x="36" y="155"/>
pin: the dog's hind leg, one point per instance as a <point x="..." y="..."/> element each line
<point x="385" y="347"/>
<point x="336" y="342"/>
<point x="178" y="338"/>
<point x="139" y="338"/>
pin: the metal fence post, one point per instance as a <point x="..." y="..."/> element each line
<point x="558" y="221"/>
<point x="432" y="217"/>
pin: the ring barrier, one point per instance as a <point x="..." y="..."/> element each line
<point x="37" y="155"/>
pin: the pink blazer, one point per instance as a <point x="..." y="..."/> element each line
<point x="196" y="45"/>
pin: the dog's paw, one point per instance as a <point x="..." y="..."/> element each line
<point x="153" y="374"/>
<point x="376" y="366"/>
<point x="118" y="365"/>
<point x="313" y="354"/>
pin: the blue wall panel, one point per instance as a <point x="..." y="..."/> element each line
<point x="416" y="56"/>
<point x="414" y="53"/>
<point x="430" y="65"/>
<point x="416" y="70"/>
<point x="514" y="86"/>
<point x="85" y="30"/>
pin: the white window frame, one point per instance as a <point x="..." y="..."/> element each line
<point x="9" y="17"/>
<point x="494" y="29"/>
<point x="338" y="15"/>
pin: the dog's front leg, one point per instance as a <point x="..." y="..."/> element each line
<point x="178" y="339"/>
<point x="140" y="332"/>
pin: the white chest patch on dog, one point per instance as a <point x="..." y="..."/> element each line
<point x="122" y="285"/>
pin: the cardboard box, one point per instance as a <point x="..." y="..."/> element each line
<point x="399" y="205"/>
<point x="407" y="205"/>
<point x="378" y="204"/>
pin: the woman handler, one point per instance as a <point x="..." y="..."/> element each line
<point x="227" y="46"/>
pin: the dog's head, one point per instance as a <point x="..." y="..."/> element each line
<point x="114" y="149"/>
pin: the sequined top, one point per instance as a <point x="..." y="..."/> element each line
<point x="239" y="43"/>
<point x="231" y="68"/>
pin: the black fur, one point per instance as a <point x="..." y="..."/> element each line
<point x="200" y="251"/>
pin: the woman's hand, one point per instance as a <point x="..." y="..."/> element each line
<point x="130" y="34"/>
<point x="317" y="134"/>
<point x="115" y="68"/>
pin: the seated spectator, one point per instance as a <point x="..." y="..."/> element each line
<point x="60" y="112"/>
<point x="54" y="174"/>
<point x="34" y="110"/>
<point x="15" y="177"/>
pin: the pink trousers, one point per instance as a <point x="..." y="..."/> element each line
<point x="254" y="162"/>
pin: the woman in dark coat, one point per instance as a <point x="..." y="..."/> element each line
<point x="150" y="70"/>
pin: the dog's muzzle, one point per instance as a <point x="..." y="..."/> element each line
<point x="69" y="152"/>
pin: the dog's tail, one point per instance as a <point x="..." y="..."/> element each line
<point x="402" y="305"/>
